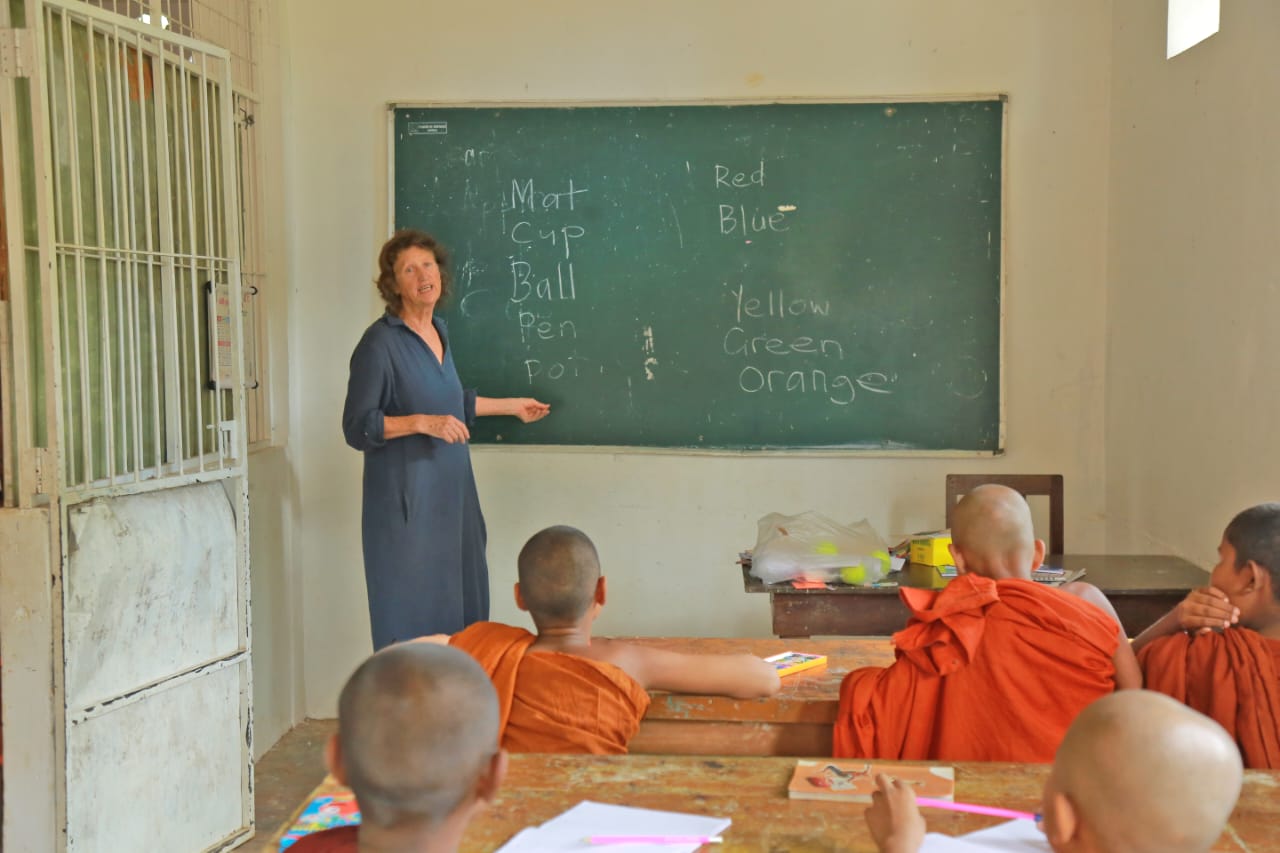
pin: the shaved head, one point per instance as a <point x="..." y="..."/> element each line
<point x="991" y="526"/>
<point x="559" y="568"/>
<point x="1148" y="774"/>
<point x="417" y="725"/>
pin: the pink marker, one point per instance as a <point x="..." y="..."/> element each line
<point x="971" y="808"/>
<point x="654" y="839"/>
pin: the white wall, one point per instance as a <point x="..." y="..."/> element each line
<point x="276" y="611"/>
<point x="1194" y="279"/>
<point x="276" y="614"/>
<point x="668" y="526"/>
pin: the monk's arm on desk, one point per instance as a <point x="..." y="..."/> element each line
<point x="737" y="676"/>
<point x="1203" y="610"/>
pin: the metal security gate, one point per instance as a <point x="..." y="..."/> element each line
<point x="124" y="595"/>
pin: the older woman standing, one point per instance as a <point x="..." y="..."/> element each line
<point x="423" y="533"/>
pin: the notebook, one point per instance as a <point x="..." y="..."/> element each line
<point x="854" y="781"/>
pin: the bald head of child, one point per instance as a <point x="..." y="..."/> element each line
<point x="560" y="580"/>
<point x="417" y="742"/>
<point x="1141" y="773"/>
<point x="992" y="535"/>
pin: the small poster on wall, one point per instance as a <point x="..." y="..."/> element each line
<point x="222" y="353"/>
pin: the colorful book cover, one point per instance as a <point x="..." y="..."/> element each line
<point x="324" y="812"/>
<point x="854" y="781"/>
<point x="789" y="663"/>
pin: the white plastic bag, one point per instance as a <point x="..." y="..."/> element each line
<point x="811" y="546"/>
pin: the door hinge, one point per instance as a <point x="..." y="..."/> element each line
<point x="17" y="52"/>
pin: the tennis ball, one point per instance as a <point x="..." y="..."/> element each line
<point x="885" y="563"/>
<point x="825" y="548"/>
<point x="853" y="575"/>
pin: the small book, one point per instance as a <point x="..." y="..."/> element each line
<point x="324" y="812"/>
<point x="789" y="663"/>
<point x="1056" y="577"/>
<point x="853" y="781"/>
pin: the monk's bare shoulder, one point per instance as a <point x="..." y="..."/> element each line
<point x="1090" y="593"/>
<point x="625" y="656"/>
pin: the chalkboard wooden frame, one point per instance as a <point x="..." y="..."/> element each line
<point x="887" y="447"/>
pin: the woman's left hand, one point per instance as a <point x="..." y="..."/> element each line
<point x="528" y="410"/>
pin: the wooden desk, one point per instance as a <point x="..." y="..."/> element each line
<point x="1142" y="588"/>
<point x="752" y="791"/>
<point x="794" y="721"/>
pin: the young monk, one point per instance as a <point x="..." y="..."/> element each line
<point x="1136" y="773"/>
<point x="417" y="742"/>
<point x="1219" y="649"/>
<point x="995" y="666"/>
<point x="563" y="690"/>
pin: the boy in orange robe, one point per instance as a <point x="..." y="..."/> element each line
<point x="1135" y="772"/>
<point x="994" y="667"/>
<point x="563" y="690"/>
<point x="417" y="743"/>
<point x="1219" y="649"/>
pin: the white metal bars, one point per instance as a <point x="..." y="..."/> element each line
<point x="234" y="25"/>
<point x="146" y="227"/>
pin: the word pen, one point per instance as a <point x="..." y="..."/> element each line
<point x="972" y="808"/>
<point x="654" y="839"/>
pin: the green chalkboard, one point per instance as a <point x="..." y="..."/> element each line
<point x="738" y="276"/>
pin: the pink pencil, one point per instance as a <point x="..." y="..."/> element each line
<point x="974" y="809"/>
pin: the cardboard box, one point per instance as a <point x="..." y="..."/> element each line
<point x="931" y="549"/>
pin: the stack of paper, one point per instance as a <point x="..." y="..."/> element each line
<point x="571" y="830"/>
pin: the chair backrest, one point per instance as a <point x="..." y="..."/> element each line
<point x="959" y="485"/>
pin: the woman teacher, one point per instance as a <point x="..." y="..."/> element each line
<point x="423" y="533"/>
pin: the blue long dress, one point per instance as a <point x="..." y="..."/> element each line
<point x="423" y="534"/>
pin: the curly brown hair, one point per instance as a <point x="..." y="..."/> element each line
<point x="390" y="253"/>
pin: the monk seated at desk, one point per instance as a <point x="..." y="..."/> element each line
<point x="417" y="743"/>
<point x="1136" y="772"/>
<point x="563" y="690"/>
<point x="1219" y="650"/>
<point x="994" y="667"/>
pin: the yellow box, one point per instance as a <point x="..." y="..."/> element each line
<point x="931" y="549"/>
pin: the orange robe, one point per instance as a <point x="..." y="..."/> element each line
<point x="985" y="671"/>
<point x="555" y="702"/>
<point x="1233" y="677"/>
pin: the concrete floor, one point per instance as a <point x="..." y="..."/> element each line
<point x="286" y="774"/>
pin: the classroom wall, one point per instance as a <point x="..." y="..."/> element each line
<point x="275" y="611"/>
<point x="1193" y="273"/>
<point x="668" y="526"/>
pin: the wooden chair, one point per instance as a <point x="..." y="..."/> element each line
<point x="959" y="485"/>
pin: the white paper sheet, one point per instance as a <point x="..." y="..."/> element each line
<point x="1190" y="22"/>
<point x="1015" y="836"/>
<point x="570" y="830"/>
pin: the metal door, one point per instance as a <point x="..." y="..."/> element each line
<point x="124" y="594"/>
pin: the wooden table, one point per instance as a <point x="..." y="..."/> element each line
<point x="1142" y="588"/>
<point x="794" y="721"/>
<point x="752" y="791"/>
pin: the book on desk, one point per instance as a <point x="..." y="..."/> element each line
<point x="1044" y="575"/>
<point x="789" y="663"/>
<point x="855" y="781"/>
